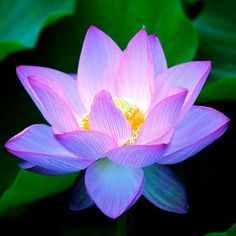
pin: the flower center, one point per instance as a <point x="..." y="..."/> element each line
<point x="133" y="114"/>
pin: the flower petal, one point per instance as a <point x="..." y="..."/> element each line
<point x="190" y="75"/>
<point x="107" y="118"/>
<point x="87" y="144"/>
<point x="37" y="145"/>
<point x="199" y="128"/>
<point x="65" y="81"/>
<point x="162" y="118"/>
<point x="157" y="55"/>
<point x="98" y="65"/>
<point x="136" y="73"/>
<point x="136" y="155"/>
<point x="80" y="200"/>
<point x="113" y="187"/>
<point x="164" y="189"/>
<point x="55" y="109"/>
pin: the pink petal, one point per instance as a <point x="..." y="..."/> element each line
<point x="190" y="75"/>
<point x="136" y="74"/>
<point x="112" y="187"/>
<point x="98" y="65"/>
<point x="199" y="128"/>
<point x="87" y="144"/>
<point x="157" y="55"/>
<point x="107" y="118"/>
<point x="162" y="117"/>
<point x="66" y="82"/>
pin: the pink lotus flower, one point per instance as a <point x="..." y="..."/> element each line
<point x="121" y="117"/>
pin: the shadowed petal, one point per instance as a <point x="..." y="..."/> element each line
<point x="37" y="145"/>
<point x="164" y="189"/>
<point x="112" y="187"/>
<point x="98" y="65"/>
<point x="200" y="127"/>
<point x="87" y="144"/>
<point x="107" y="118"/>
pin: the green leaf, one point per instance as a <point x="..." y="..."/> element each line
<point x="29" y="187"/>
<point x="121" y="19"/>
<point x="230" y="232"/>
<point x="22" y="21"/>
<point x="216" y="26"/>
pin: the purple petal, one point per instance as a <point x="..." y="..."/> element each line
<point x="67" y="83"/>
<point x="136" y="73"/>
<point x="157" y="55"/>
<point x="164" y="189"/>
<point x="112" y="187"/>
<point x="107" y="118"/>
<point x="162" y="117"/>
<point x="98" y="65"/>
<point x="37" y="145"/>
<point x="190" y="75"/>
<point x="199" y="128"/>
<point x="87" y="144"/>
<point x="136" y="155"/>
<point x="55" y="109"/>
<point x="80" y="200"/>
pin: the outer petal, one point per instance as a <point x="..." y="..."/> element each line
<point x="98" y="65"/>
<point x="65" y="81"/>
<point x="37" y="145"/>
<point x="113" y="187"/>
<point x="136" y="74"/>
<point x="136" y="155"/>
<point x="200" y="127"/>
<point x="157" y="54"/>
<point x="55" y="109"/>
<point x="190" y="75"/>
<point x="107" y="118"/>
<point x="87" y="144"/>
<point x="163" y="188"/>
<point x="162" y="118"/>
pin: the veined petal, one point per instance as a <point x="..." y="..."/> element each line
<point x="112" y="187"/>
<point x="136" y="155"/>
<point x="164" y="189"/>
<point x="107" y="118"/>
<point x="190" y="75"/>
<point x="199" y="128"/>
<point x="37" y="145"/>
<point x="87" y="144"/>
<point x="157" y="55"/>
<point x="162" y="117"/>
<point x="136" y="74"/>
<point x="52" y="77"/>
<point x="98" y="65"/>
<point x="55" y="109"/>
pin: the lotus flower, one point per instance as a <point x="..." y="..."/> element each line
<point x="122" y="117"/>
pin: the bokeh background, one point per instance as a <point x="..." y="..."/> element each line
<point x="50" y="33"/>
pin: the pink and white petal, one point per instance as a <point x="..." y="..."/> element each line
<point x="98" y="65"/>
<point x="136" y="74"/>
<point x="87" y="144"/>
<point x="65" y="81"/>
<point x="190" y="75"/>
<point x="107" y="118"/>
<point x="164" y="189"/>
<point x="113" y="187"/>
<point x="157" y="55"/>
<point x="37" y="145"/>
<point x="199" y="128"/>
<point x="162" y="117"/>
<point x="137" y="155"/>
<point x="55" y="109"/>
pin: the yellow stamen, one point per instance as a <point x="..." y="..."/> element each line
<point x="85" y="122"/>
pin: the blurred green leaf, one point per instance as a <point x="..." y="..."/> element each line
<point x="22" y="21"/>
<point x="29" y="187"/>
<point x="217" y="32"/>
<point x="230" y="232"/>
